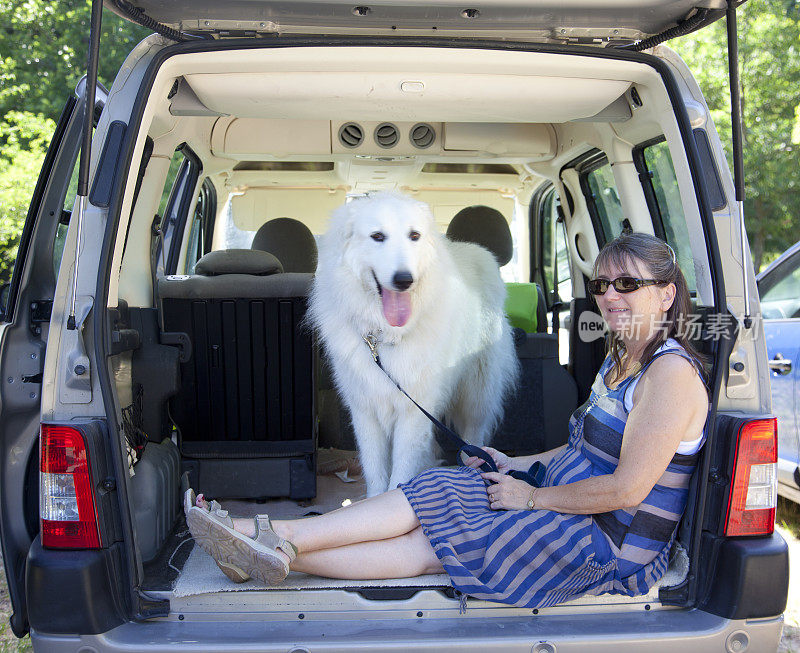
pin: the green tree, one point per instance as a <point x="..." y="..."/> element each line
<point x="43" y="48"/>
<point x="769" y="60"/>
<point x="26" y="136"/>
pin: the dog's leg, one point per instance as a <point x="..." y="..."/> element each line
<point x="412" y="447"/>
<point x="373" y="452"/>
<point x="479" y="407"/>
<point x="477" y="427"/>
<point x="474" y="411"/>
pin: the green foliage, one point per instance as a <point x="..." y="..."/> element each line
<point x="43" y="50"/>
<point x="769" y="57"/>
<point x="44" y="45"/>
<point x="26" y="136"/>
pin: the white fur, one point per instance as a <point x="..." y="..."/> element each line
<point x="455" y="355"/>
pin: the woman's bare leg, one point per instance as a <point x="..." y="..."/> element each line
<point x="382" y="517"/>
<point x="399" y="557"/>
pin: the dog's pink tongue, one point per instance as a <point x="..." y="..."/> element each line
<point x="396" y="306"/>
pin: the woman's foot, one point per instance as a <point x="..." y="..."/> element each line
<point x="243" y="525"/>
<point x="241" y="548"/>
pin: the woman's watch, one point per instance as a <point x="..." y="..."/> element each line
<point x="531" y="500"/>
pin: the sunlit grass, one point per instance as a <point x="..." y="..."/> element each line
<point x="8" y="641"/>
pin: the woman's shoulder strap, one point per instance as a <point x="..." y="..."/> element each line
<point x="671" y="346"/>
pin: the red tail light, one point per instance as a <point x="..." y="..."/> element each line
<point x="66" y="498"/>
<point x="754" y="494"/>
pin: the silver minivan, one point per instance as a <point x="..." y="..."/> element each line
<point x="144" y="347"/>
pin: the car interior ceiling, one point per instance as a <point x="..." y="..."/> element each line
<point x="234" y="429"/>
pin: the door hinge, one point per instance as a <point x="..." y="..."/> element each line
<point x="231" y="28"/>
<point x="39" y="312"/>
<point x="181" y="340"/>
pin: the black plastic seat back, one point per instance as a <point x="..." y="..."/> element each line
<point x="248" y="377"/>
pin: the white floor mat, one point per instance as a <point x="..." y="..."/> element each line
<point x="200" y="575"/>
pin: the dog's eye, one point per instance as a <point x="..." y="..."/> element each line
<point x="378" y="236"/>
<point x="414" y="235"/>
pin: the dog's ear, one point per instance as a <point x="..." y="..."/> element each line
<point x="343" y="225"/>
<point x="348" y="228"/>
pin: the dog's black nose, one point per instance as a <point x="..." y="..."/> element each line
<point x="402" y="280"/>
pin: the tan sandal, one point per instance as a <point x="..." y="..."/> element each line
<point x="189" y="502"/>
<point x="238" y="556"/>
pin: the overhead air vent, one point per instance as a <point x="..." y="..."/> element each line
<point x="351" y="134"/>
<point x="422" y="135"/>
<point x="386" y="135"/>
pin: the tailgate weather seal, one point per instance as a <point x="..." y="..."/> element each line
<point x="101" y="318"/>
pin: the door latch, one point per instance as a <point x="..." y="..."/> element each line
<point x="40" y="312"/>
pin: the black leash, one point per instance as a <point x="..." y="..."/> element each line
<point x="534" y="476"/>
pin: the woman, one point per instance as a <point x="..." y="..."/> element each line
<point x="605" y="517"/>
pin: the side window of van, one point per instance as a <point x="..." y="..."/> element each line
<point x="169" y="184"/>
<point x="202" y="226"/>
<point x="63" y="223"/>
<point x="780" y="291"/>
<point x="663" y="195"/>
<point x="176" y="199"/>
<point x="555" y="261"/>
<point x="597" y="182"/>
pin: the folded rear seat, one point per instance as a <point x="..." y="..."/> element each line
<point x="246" y="408"/>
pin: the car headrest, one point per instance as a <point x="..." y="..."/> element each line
<point x="290" y="241"/>
<point x="483" y="226"/>
<point x="238" y="261"/>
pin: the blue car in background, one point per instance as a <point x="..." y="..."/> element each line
<point x="779" y="288"/>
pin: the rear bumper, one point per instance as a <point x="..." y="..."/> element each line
<point x="646" y="631"/>
<point x="750" y="578"/>
<point x="74" y="591"/>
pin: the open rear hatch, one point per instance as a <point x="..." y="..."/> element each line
<point x="620" y="23"/>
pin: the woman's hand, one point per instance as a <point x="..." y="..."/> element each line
<point x="507" y="493"/>
<point x="502" y="461"/>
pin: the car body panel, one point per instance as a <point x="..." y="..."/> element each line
<point x="23" y="341"/>
<point x="22" y="354"/>
<point x="781" y="322"/>
<point x="642" y="631"/>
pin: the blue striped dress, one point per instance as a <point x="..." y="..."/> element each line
<point x="538" y="558"/>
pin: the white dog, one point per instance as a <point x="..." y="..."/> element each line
<point x="435" y="308"/>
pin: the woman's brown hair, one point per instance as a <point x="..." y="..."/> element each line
<point x="659" y="258"/>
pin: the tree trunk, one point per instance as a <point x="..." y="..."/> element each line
<point x="757" y="249"/>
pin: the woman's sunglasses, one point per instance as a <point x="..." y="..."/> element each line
<point x="621" y="284"/>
